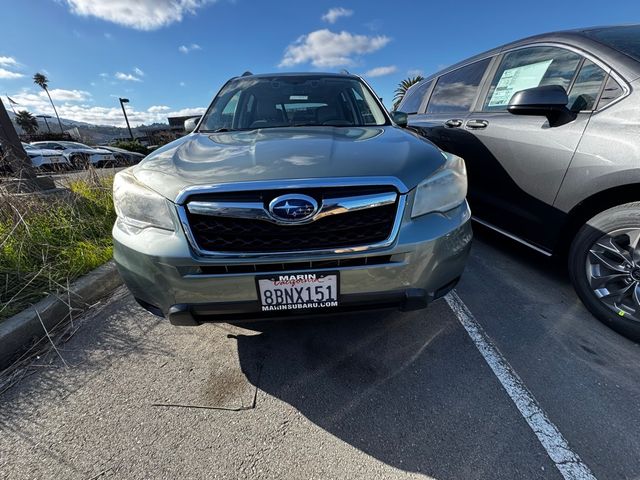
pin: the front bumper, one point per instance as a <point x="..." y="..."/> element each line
<point x="167" y="278"/>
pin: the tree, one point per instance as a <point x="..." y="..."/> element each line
<point x="27" y="122"/>
<point x="43" y="82"/>
<point x="404" y="85"/>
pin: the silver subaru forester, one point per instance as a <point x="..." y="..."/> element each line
<point x="295" y="194"/>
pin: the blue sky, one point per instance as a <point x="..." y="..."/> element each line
<point x="171" y="56"/>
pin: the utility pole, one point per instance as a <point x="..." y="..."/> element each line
<point x="122" y="102"/>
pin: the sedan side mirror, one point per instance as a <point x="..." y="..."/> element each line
<point x="400" y="118"/>
<point x="190" y="124"/>
<point x="547" y="101"/>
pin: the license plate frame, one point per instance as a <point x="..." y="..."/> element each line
<point x="293" y="283"/>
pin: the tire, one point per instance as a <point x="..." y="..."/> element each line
<point x="79" y="161"/>
<point x="120" y="160"/>
<point x="604" y="266"/>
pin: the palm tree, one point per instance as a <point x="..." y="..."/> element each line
<point x="27" y="122"/>
<point x="43" y="82"/>
<point x="404" y="85"/>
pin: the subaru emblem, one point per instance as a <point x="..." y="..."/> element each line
<point x="293" y="208"/>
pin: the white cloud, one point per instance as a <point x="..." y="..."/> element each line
<point x="138" y="72"/>
<point x="8" y="75"/>
<point x="140" y="14"/>
<point x="158" y="108"/>
<point x="67" y="95"/>
<point x="415" y="72"/>
<point x="324" y="48"/>
<point x="189" y="48"/>
<point x="381" y="71"/>
<point x="104" y="74"/>
<point x="335" y="13"/>
<point x="182" y="84"/>
<point x="127" y="76"/>
<point x="80" y="111"/>
<point x="8" y="61"/>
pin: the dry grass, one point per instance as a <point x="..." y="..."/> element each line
<point x="47" y="241"/>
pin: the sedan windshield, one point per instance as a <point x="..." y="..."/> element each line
<point x="293" y="101"/>
<point x="75" y="145"/>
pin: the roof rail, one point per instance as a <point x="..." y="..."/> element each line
<point x="344" y="71"/>
<point x="246" y="74"/>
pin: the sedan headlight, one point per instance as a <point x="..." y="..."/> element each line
<point x="442" y="191"/>
<point x="139" y="206"/>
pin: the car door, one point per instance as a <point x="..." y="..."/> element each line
<point x="449" y="104"/>
<point x="516" y="164"/>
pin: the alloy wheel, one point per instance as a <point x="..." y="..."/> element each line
<point x="613" y="272"/>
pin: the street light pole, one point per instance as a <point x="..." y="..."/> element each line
<point x="44" y="117"/>
<point x="122" y="102"/>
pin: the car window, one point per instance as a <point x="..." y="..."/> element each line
<point x="611" y="91"/>
<point x="455" y="91"/>
<point x="293" y="101"/>
<point x="586" y="88"/>
<point x="528" y="68"/>
<point x="414" y="97"/>
<point x="625" y="39"/>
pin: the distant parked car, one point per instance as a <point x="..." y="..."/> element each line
<point x="44" y="158"/>
<point x="548" y="127"/>
<point x="79" y="154"/>
<point x="124" y="157"/>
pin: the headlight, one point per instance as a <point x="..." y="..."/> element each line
<point x="138" y="206"/>
<point x="442" y="191"/>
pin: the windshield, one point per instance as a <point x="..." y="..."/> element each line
<point x="75" y="145"/>
<point x="624" y="39"/>
<point x="292" y="101"/>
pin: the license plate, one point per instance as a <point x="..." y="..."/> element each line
<point x="298" y="291"/>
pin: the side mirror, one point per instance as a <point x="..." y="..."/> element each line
<point x="190" y="124"/>
<point x="400" y="118"/>
<point x="547" y="101"/>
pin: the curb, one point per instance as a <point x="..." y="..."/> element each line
<point x="19" y="332"/>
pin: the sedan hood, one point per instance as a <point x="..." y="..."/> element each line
<point x="45" y="152"/>
<point x="289" y="153"/>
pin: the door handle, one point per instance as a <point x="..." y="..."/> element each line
<point x="477" y="124"/>
<point x="453" y="123"/>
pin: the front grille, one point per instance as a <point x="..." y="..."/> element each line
<point x="350" y="229"/>
<point x="291" y="266"/>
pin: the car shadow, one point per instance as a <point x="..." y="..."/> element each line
<point x="408" y="389"/>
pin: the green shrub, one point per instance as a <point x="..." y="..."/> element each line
<point x="46" y="242"/>
<point x="132" y="146"/>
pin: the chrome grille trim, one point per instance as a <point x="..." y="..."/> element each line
<point x="257" y="211"/>
<point x="290" y="185"/>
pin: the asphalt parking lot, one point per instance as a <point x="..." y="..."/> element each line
<point x="382" y="395"/>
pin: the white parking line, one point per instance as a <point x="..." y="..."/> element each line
<point x="566" y="461"/>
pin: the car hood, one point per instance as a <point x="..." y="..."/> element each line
<point x="45" y="152"/>
<point x="88" y="151"/>
<point x="288" y="153"/>
<point x="99" y="151"/>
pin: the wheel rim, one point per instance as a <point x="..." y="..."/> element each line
<point x="613" y="272"/>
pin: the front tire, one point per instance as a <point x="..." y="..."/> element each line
<point x="80" y="161"/>
<point x="604" y="266"/>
